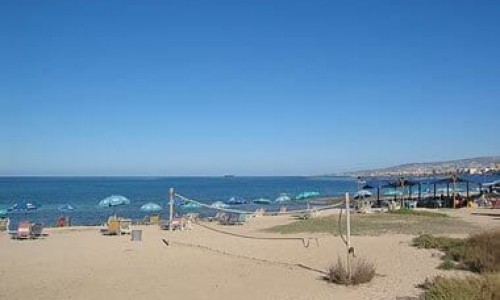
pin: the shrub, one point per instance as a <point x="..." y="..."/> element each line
<point x="469" y="288"/>
<point x="479" y="253"/>
<point x="482" y="252"/>
<point x="362" y="271"/>
<point x="429" y="241"/>
<point x="422" y="213"/>
<point x="447" y="264"/>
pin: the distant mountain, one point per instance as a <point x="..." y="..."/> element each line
<point x="468" y="165"/>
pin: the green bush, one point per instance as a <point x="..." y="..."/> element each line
<point x="429" y="241"/>
<point x="479" y="253"/>
<point x="422" y="213"/>
<point x="447" y="264"/>
<point x="469" y="288"/>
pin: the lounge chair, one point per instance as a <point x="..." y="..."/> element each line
<point x="63" y="221"/>
<point x="154" y="219"/>
<point x="125" y="226"/>
<point x="113" y="228"/>
<point x="23" y="231"/>
<point x="193" y="217"/>
<point x="234" y="219"/>
<point x="177" y="223"/>
<point x="4" y="224"/>
<point x="36" y="230"/>
<point x="218" y="216"/>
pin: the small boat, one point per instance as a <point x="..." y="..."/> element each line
<point x="283" y="198"/>
<point x="219" y="204"/>
<point x="262" y="201"/>
<point x="235" y="200"/>
<point x="306" y="195"/>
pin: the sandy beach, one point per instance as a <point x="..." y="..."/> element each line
<point x="80" y="263"/>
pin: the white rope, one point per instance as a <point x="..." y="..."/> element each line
<point x="251" y="212"/>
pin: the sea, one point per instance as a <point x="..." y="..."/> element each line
<point x="84" y="194"/>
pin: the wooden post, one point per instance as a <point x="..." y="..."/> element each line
<point x="348" y="235"/>
<point x="171" y="205"/>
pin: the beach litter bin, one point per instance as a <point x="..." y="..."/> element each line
<point x="136" y="235"/>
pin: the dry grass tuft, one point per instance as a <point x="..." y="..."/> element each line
<point x="362" y="271"/>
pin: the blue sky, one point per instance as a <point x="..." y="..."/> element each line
<point x="245" y="87"/>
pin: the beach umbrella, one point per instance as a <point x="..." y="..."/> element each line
<point x="393" y="193"/>
<point x="3" y="212"/>
<point x="262" y="201"/>
<point x="190" y="205"/>
<point x="362" y="194"/>
<point x="283" y="198"/>
<point x="236" y="200"/>
<point x="306" y="195"/>
<point x="219" y="204"/>
<point x="114" y="200"/>
<point x="66" y="207"/>
<point x="150" y="207"/>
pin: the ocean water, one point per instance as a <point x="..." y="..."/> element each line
<point x="84" y="193"/>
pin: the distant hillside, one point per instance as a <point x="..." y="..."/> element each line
<point x="468" y="165"/>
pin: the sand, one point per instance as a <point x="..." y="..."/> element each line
<point x="80" y="263"/>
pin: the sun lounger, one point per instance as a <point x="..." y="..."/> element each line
<point x="4" y="224"/>
<point x="234" y="219"/>
<point x="177" y="223"/>
<point x="125" y="226"/>
<point x="154" y="219"/>
<point x="23" y="231"/>
<point x="36" y="230"/>
<point x="113" y="228"/>
<point x="218" y="216"/>
<point x="495" y="204"/>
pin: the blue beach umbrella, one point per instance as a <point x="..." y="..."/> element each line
<point x="264" y="201"/>
<point x="219" y="204"/>
<point x="362" y="194"/>
<point x="150" y="207"/>
<point x="190" y="205"/>
<point x="393" y="193"/>
<point x="306" y="195"/>
<point x="283" y="198"/>
<point x="114" y="200"/>
<point x="66" y="207"/>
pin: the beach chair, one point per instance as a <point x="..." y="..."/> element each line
<point x="23" y="231"/>
<point x="218" y="216"/>
<point x="125" y="226"/>
<point x="193" y="217"/>
<point x="241" y="219"/>
<point x="4" y="224"/>
<point x="164" y="225"/>
<point x="113" y="228"/>
<point x="234" y="219"/>
<point x="36" y="230"/>
<point x="225" y="219"/>
<point x="154" y="219"/>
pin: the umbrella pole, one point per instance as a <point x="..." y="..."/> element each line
<point x="348" y="235"/>
<point x="171" y="206"/>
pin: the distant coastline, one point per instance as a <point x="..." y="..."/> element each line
<point x="472" y="166"/>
